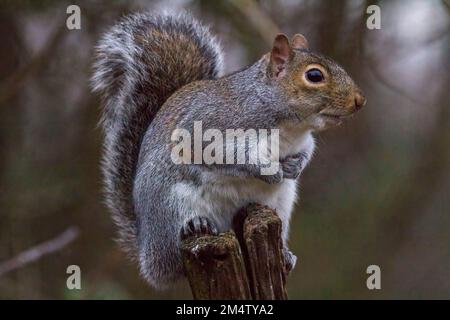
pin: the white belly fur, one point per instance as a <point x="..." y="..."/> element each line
<point x="219" y="197"/>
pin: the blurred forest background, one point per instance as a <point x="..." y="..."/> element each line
<point x="377" y="191"/>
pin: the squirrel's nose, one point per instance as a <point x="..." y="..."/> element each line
<point x="360" y="100"/>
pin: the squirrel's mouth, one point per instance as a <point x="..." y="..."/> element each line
<point x="333" y="119"/>
<point x="334" y="116"/>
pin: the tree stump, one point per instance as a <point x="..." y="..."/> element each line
<point x="246" y="263"/>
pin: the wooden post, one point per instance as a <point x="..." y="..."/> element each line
<point x="245" y="264"/>
<point x="215" y="267"/>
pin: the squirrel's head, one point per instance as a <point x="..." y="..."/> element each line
<point x="319" y="91"/>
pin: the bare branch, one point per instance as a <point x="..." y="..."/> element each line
<point x="37" y="252"/>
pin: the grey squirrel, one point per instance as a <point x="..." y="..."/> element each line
<point x="162" y="72"/>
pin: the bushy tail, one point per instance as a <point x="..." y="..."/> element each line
<point x="139" y="63"/>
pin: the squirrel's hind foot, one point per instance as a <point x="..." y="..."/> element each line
<point x="290" y="260"/>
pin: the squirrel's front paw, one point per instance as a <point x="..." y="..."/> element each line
<point x="293" y="165"/>
<point x="273" y="178"/>
<point x="198" y="226"/>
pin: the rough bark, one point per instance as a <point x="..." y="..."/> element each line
<point x="215" y="267"/>
<point x="245" y="264"/>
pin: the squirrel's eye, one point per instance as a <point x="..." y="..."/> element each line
<point x="315" y="75"/>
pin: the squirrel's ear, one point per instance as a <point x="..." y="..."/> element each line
<point x="299" y="42"/>
<point x="280" y="55"/>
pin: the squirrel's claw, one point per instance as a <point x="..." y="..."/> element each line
<point x="293" y="165"/>
<point x="198" y="226"/>
<point x="272" y="179"/>
<point x="290" y="260"/>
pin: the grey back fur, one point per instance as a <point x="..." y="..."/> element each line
<point x="140" y="62"/>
